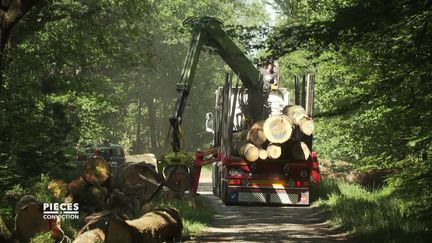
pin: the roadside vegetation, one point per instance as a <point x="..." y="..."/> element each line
<point x="370" y="215"/>
<point x="373" y="106"/>
<point x="195" y="215"/>
<point x="73" y="72"/>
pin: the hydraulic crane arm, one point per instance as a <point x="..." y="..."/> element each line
<point x="208" y="32"/>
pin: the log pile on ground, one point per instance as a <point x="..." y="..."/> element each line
<point x="137" y="180"/>
<point x="277" y="137"/>
<point x="114" y="203"/>
<point x="158" y="225"/>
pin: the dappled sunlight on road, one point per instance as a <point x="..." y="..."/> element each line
<point x="264" y="224"/>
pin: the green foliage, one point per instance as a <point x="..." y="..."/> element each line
<point x="373" y="90"/>
<point x="195" y="219"/>
<point x="74" y="71"/>
<point x="373" y="216"/>
<point x="40" y="189"/>
<point x="42" y="238"/>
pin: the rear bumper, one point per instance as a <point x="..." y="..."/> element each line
<point x="267" y="196"/>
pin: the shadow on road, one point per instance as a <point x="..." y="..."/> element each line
<point x="264" y="224"/>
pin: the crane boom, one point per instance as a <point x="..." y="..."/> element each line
<point x="207" y="31"/>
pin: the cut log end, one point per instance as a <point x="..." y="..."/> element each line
<point x="251" y="153"/>
<point x="274" y="151"/>
<point x="277" y="129"/>
<point x="307" y="126"/>
<point x="295" y="113"/>
<point x="262" y="154"/>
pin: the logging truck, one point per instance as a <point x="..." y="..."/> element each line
<point x="262" y="143"/>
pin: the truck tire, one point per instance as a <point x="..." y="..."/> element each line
<point x="224" y="187"/>
<point x="223" y="192"/>
<point x="215" y="180"/>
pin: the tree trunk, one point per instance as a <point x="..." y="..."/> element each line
<point x="138" y="146"/>
<point x="11" y="13"/>
<point x="179" y="178"/>
<point x="295" y="113"/>
<point x="77" y="185"/>
<point x="119" y="231"/>
<point x="58" y="189"/>
<point x="152" y="123"/>
<point x="90" y="197"/>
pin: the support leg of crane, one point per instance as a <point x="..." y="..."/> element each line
<point x="196" y="172"/>
<point x="202" y="158"/>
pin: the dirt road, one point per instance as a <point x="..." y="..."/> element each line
<point x="264" y="224"/>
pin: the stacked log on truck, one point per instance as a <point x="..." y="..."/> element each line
<point x="277" y="137"/>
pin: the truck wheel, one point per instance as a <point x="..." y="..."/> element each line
<point x="223" y="192"/>
<point x="224" y="186"/>
<point x="215" y="180"/>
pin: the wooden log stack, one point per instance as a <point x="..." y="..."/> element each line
<point x="277" y="137"/>
<point x="92" y="187"/>
<point x="158" y="225"/>
<point x="113" y="204"/>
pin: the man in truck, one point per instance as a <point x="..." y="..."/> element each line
<point x="269" y="74"/>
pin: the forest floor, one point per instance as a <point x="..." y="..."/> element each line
<point x="264" y="224"/>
